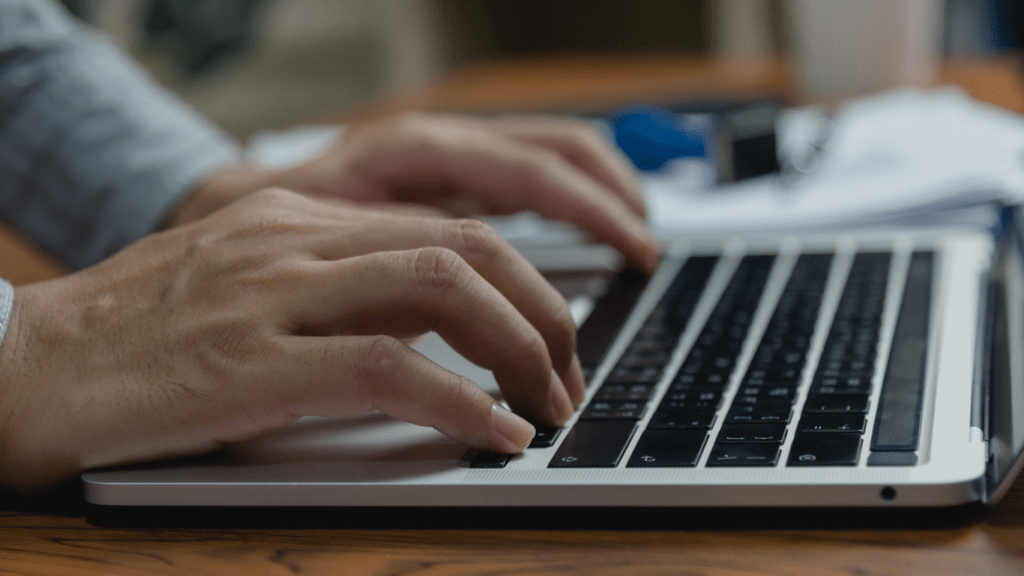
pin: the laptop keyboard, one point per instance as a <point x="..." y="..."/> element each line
<point x="607" y="423"/>
<point x="701" y="415"/>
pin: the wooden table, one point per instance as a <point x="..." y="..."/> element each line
<point x="55" y="535"/>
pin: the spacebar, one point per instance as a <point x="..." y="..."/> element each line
<point x="594" y="444"/>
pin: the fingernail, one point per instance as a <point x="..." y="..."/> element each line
<point x="561" y="405"/>
<point x="513" y="428"/>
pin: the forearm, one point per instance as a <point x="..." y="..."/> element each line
<point x="94" y="154"/>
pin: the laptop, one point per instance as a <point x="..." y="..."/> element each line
<point x="846" y="369"/>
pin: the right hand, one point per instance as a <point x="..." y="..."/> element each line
<point x="276" y="307"/>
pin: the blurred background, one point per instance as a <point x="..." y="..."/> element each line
<point x="252" y="64"/>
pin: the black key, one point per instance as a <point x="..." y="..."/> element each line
<point x="601" y="410"/>
<point x="743" y="455"/>
<point x="624" y="392"/>
<point x="825" y="422"/>
<point x="594" y="444"/>
<point x="490" y="460"/>
<point x="766" y="413"/>
<point x="694" y="403"/>
<point x="778" y="358"/>
<point x="668" y="449"/>
<point x="838" y="386"/>
<point x="610" y="312"/>
<point x="742" y="433"/>
<point x="695" y="387"/>
<point x="767" y="394"/>
<point x="710" y="398"/>
<point x="897" y="425"/>
<point x="630" y="375"/>
<point x="811" y="449"/>
<point x="703" y="378"/>
<point x="837" y="403"/>
<point x="892" y="459"/>
<point x="774" y="374"/>
<point x="545" y="437"/>
<point x="677" y="419"/>
<point x="644" y="360"/>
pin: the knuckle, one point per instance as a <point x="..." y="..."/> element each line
<point x="540" y="164"/>
<point x="382" y="356"/>
<point x="562" y="319"/>
<point x="275" y="197"/>
<point x="235" y="345"/>
<point x="476" y="238"/>
<point x="438" y="268"/>
<point x="535" y="346"/>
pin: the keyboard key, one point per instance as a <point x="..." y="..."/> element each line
<point x="760" y="413"/>
<point x="837" y="403"/>
<point x="708" y="396"/>
<point x="810" y="449"/>
<point x="594" y="444"/>
<point x="837" y="386"/>
<point x="743" y="455"/>
<point x="668" y="449"/>
<point x="744" y="433"/>
<point x="545" y="437"/>
<point x="601" y="410"/>
<point x="490" y="460"/>
<point x="767" y="394"/>
<point x="682" y="419"/>
<point x="892" y="459"/>
<point x="694" y="403"/>
<point x="831" y="423"/>
<point x="624" y="392"/>
<point x="638" y="375"/>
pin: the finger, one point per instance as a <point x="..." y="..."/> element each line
<point x="415" y="291"/>
<point x="581" y="144"/>
<point x="348" y="375"/>
<point x="512" y="175"/>
<point x="497" y="262"/>
<point x="558" y="190"/>
<point x="392" y="209"/>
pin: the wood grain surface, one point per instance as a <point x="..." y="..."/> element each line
<point x="57" y="534"/>
<point x="57" y="539"/>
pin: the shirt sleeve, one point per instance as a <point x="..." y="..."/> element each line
<point x="93" y="153"/>
<point x="6" y="303"/>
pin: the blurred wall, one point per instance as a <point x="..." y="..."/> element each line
<point x="305" y="58"/>
<point x="301" y="59"/>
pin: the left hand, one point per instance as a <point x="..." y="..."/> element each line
<point x="561" y="168"/>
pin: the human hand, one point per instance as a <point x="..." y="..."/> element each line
<point x="560" y="168"/>
<point x="276" y="307"/>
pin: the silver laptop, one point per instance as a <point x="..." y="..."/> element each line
<point x="861" y="369"/>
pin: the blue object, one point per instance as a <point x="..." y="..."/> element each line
<point x="651" y="136"/>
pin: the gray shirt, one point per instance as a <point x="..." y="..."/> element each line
<point x="93" y="153"/>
